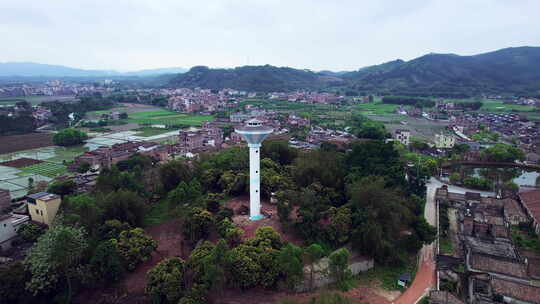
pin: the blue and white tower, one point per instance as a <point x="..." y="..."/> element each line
<point x="254" y="133"/>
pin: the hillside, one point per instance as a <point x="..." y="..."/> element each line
<point x="253" y="78"/>
<point x="511" y="70"/>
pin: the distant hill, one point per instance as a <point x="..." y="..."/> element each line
<point x="264" y="78"/>
<point x="30" y="69"/>
<point x="511" y="70"/>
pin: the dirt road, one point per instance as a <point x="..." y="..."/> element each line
<point x="425" y="276"/>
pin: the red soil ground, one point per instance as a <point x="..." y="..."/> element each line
<point x="20" y="162"/>
<point x="271" y="219"/>
<point x="14" y="143"/>
<point x="131" y="289"/>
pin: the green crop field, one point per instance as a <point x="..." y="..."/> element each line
<point x="45" y="169"/>
<point x="147" y="132"/>
<point x="379" y="109"/>
<point x="497" y="105"/>
<point x="168" y="118"/>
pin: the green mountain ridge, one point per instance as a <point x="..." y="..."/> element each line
<point x="510" y="70"/>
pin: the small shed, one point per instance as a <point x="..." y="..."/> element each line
<point x="404" y="279"/>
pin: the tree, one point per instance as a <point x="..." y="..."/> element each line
<point x="455" y="178"/>
<point x="165" y="282"/>
<point x="55" y="256"/>
<point x="13" y="278"/>
<point x="69" y="137"/>
<point x="291" y="266"/>
<point x="83" y="167"/>
<point x="111" y="229"/>
<point x="503" y="153"/>
<point x="173" y="172"/>
<point x="83" y="210"/>
<point x="379" y="214"/>
<point x="339" y="265"/>
<point x="106" y="261"/>
<point x="197" y="224"/>
<point x="312" y="254"/>
<point x="135" y="247"/>
<point x="338" y="231"/>
<point x="208" y="263"/>
<point x="125" y="206"/>
<point x="186" y="192"/>
<point x="30" y="232"/>
<point x="62" y="188"/>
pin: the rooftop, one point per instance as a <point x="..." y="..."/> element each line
<point x="531" y="201"/>
<point x="496" y="265"/>
<point x="43" y="196"/>
<point x="516" y="290"/>
<point x="493" y="248"/>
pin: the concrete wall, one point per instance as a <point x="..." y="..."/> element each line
<point x="321" y="275"/>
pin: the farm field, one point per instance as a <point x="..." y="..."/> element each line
<point x="45" y="169"/>
<point x="497" y="105"/>
<point x="148" y="131"/>
<point x="14" y="143"/>
<point x="34" y="100"/>
<point x="377" y="108"/>
<point x="40" y="164"/>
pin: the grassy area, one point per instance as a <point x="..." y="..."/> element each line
<point x="387" y="275"/>
<point x="66" y="153"/>
<point x="158" y="213"/>
<point x="45" y="169"/>
<point x="148" y="131"/>
<point x="445" y="246"/>
<point x="526" y="239"/>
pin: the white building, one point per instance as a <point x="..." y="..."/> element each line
<point x="9" y="224"/>
<point x="444" y="141"/>
<point x="403" y="136"/>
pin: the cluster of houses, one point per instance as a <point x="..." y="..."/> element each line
<point x="307" y="97"/>
<point x="202" y="100"/>
<point x="52" y="88"/>
<point x="486" y="265"/>
<point x="39" y="208"/>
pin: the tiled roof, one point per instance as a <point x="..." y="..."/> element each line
<point x="531" y="201"/>
<point x="501" y="266"/>
<point x="516" y="290"/>
<point x="443" y="297"/>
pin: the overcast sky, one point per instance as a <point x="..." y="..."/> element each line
<point x="318" y="34"/>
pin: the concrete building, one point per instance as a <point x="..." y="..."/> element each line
<point x="444" y="141"/>
<point x="9" y="224"/>
<point x="254" y="133"/>
<point x="403" y="136"/>
<point x="43" y="206"/>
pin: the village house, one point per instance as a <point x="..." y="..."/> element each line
<point x="402" y="136"/>
<point x="43" y="206"/>
<point x="9" y="224"/>
<point x="104" y="157"/>
<point x="444" y="141"/>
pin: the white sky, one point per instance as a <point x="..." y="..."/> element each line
<point x="317" y="34"/>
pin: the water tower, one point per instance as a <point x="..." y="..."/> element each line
<point x="254" y="133"/>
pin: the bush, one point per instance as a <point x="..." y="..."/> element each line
<point x="30" y="232"/>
